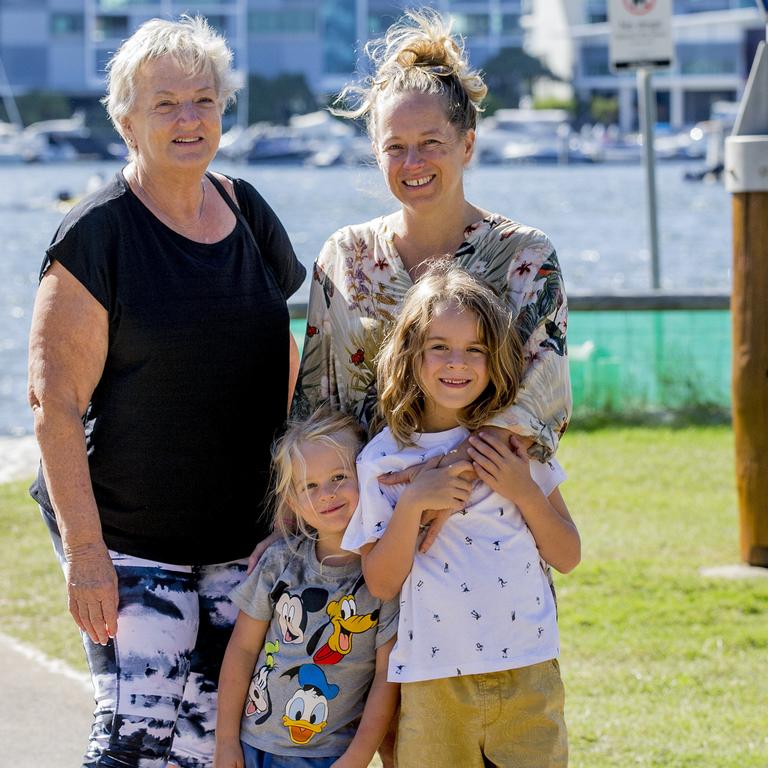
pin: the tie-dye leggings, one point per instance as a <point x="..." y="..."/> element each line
<point x="155" y="683"/>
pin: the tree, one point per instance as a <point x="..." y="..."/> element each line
<point x="510" y="75"/>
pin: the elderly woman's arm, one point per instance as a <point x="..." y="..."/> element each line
<point x="67" y="350"/>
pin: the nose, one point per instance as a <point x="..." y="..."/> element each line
<point x="412" y="157"/>
<point x="188" y="112"/>
<point x="328" y="491"/>
<point x="456" y="359"/>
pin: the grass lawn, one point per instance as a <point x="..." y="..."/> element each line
<point x="662" y="666"/>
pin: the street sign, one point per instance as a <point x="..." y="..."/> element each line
<point x="640" y="34"/>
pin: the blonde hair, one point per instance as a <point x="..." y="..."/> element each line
<point x="401" y="397"/>
<point x="418" y="53"/>
<point x="192" y="43"/>
<point x="332" y="429"/>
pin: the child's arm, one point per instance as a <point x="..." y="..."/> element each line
<point x="387" y="562"/>
<point x="506" y="471"/>
<point x="379" y="710"/>
<point x="236" y="671"/>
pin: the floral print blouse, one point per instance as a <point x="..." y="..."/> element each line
<point x="359" y="281"/>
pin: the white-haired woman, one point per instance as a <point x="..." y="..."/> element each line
<point x="160" y="370"/>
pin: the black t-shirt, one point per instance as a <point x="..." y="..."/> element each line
<point x="194" y="387"/>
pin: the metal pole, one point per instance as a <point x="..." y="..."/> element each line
<point x="647" y="122"/>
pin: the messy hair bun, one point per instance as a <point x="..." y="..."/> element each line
<point x="418" y="53"/>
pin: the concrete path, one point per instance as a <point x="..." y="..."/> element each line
<point x="45" y="710"/>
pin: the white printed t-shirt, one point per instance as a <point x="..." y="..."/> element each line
<point x="479" y="600"/>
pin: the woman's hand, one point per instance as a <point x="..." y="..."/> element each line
<point x="502" y="465"/>
<point x="92" y="592"/>
<point x="260" y="549"/>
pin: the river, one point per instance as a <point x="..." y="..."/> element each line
<point x="595" y="215"/>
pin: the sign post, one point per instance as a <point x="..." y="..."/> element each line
<point x="746" y="178"/>
<point x="641" y="39"/>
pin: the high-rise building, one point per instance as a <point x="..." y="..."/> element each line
<point x="63" y="45"/>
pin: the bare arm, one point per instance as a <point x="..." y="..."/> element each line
<point x="67" y="350"/>
<point x="379" y="710"/>
<point x="504" y="468"/>
<point x="236" y="671"/>
<point x="293" y="373"/>
<point x="293" y="367"/>
<point x="387" y="562"/>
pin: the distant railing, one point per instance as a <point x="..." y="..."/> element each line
<point x="637" y="353"/>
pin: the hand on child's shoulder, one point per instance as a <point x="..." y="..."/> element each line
<point x="503" y="465"/>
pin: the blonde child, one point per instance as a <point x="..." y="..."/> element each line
<point x="303" y="682"/>
<point x="477" y="646"/>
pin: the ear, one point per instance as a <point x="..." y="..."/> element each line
<point x="469" y="145"/>
<point x="127" y="131"/>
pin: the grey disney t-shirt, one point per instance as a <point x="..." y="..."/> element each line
<point x="312" y="676"/>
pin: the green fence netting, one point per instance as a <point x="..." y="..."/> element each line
<point x="635" y="361"/>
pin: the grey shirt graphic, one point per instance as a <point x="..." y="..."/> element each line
<point x="312" y="676"/>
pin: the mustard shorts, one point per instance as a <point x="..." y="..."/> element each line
<point x="510" y="719"/>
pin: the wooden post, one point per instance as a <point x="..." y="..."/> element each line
<point x="749" y="311"/>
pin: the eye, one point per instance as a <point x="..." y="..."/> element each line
<point x="347" y="609"/>
<point x="295" y="708"/>
<point x="310" y="486"/>
<point x="393" y="149"/>
<point x="478" y="350"/>
<point x="340" y="477"/>
<point x="319" y="713"/>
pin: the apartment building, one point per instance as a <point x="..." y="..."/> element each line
<point x="63" y="45"/>
<point x="715" y="42"/>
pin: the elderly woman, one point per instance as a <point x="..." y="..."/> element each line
<point x="421" y="105"/>
<point x="160" y="371"/>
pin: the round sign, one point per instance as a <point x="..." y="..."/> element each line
<point x="639" y="7"/>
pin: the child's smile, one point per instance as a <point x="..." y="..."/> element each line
<point x="454" y="367"/>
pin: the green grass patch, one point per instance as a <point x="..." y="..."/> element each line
<point x="662" y="666"/>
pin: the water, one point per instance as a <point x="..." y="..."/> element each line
<point x="595" y="215"/>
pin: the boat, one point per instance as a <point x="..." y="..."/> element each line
<point x="62" y="140"/>
<point x="316" y="139"/>
<point x="528" y="135"/>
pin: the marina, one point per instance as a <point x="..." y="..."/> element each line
<point x="594" y="214"/>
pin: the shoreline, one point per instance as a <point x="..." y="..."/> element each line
<point x="19" y="457"/>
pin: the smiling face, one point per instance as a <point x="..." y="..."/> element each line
<point x="175" y="122"/>
<point x="454" y="367"/>
<point x="325" y="488"/>
<point x="421" y="154"/>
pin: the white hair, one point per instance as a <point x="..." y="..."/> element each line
<point x="192" y="43"/>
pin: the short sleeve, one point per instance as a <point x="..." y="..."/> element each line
<point x="548" y="475"/>
<point x="373" y="512"/>
<point x="271" y="237"/>
<point x="84" y="246"/>
<point x="388" y="619"/>
<point x="252" y="596"/>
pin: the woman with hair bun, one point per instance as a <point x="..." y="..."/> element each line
<point x="420" y="106"/>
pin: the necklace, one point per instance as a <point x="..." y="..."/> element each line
<point x="184" y="225"/>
